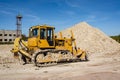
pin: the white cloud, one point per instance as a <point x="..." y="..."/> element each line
<point x="31" y="16"/>
<point x="70" y="12"/>
<point x="6" y="12"/>
<point x="90" y="18"/>
<point x="95" y="18"/>
<point x="73" y="3"/>
<point x="6" y="9"/>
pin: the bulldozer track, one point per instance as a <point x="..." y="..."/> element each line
<point x="40" y="57"/>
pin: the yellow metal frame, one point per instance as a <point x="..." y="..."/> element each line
<point x="17" y="48"/>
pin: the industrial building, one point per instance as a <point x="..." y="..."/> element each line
<point x="7" y="35"/>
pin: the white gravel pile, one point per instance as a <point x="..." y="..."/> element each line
<point x="91" y="39"/>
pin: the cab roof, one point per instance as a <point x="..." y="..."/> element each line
<point x="42" y="26"/>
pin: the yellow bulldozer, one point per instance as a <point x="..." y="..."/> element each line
<point x="43" y="48"/>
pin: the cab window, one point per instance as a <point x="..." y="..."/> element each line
<point x="35" y="32"/>
<point x="50" y="33"/>
<point x="42" y="33"/>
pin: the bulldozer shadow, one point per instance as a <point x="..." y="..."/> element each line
<point x="63" y="63"/>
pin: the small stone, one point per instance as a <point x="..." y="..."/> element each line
<point x="45" y="71"/>
<point x="36" y="68"/>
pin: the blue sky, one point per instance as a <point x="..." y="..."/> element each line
<point x="103" y="14"/>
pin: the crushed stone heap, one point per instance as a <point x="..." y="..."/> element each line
<point x="91" y="39"/>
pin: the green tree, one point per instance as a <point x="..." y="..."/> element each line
<point x="117" y="38"/>
<point x="24" y="37"/>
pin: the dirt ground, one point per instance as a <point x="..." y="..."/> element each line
<point x="98" y="67"/>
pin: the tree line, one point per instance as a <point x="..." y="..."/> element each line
<point x="117" y="38"/>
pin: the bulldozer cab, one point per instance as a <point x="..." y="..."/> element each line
<point x="43" y="36"/>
